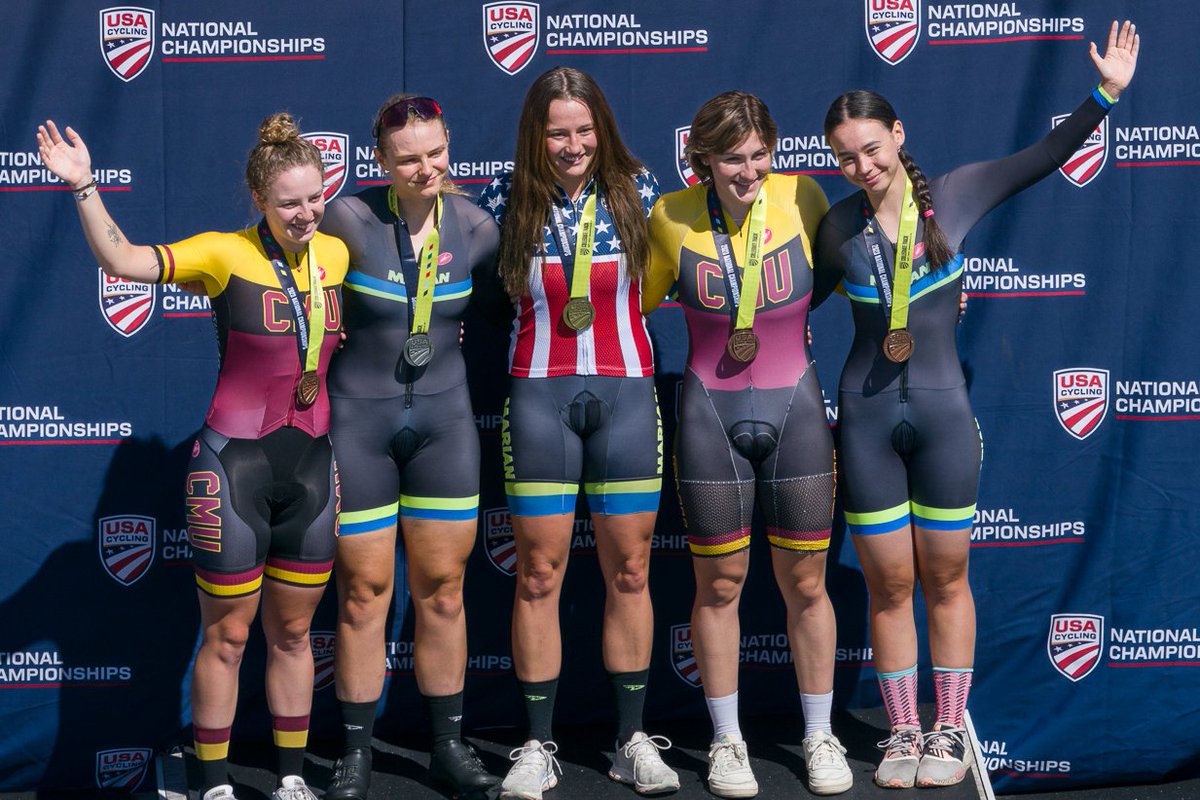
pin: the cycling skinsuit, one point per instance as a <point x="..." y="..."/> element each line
<point x="262" y="489"/>
<point x="405" y="436"/>
<point x="910" y="446"/>
<point x="582" y="405"/>
<point x="756" y="428"/>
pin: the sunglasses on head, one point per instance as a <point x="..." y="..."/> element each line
<point x="397" y="114"/>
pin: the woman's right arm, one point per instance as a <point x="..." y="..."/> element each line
<point x="664" y="259"/>
<point x="70" y="161"/>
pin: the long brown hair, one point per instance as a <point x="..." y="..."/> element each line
<point x="279" y="148"/>
<point x="865" y="104"/>
<point x="722" y="123"/>
<point x="533" y="178"/>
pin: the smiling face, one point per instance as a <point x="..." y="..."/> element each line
<point x="739" y="173"/>
<point x="293" y="205"/>
<point x="868" y="154"/>
<point x="416" y="159"/>
<point x="570" y="144"/>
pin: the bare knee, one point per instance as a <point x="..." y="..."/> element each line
<point x="946" y="587"/>
<point x="804" y="591"/>
<point x="444" y="601"/>
<point x="227" y="641"/>
<point x="365" y="601"/>
<point x="631" y="575"/>
<point x="538" y="578"/>
<point x="720" y="592"/>
<point x="893" y="591"/>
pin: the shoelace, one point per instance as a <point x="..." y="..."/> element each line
<point x="901" y="743"/>
<point x="652" y="744"/>
<point x="730" y="751"/>
<point x="523" y="756"/>
<point x="825" y="753"/>
<point x="945" y="741"/>
<point x="294" y="793"/>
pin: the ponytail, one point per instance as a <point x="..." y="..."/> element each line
<point x="937" y="249"/>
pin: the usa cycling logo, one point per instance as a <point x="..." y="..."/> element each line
<point x="322" y="649"/>
<point x="127" y="40"/>
<point x="1080" y="400"/>
<point x="127" y="306"/>
<point x="1086" y="163"/>
<point x="510" y="34"/>
<point x="682" y="165"/>
<point x="499" y="541"/>
<point x="683" y="656"/>
<point x="1074" y="644"/>
<point x="127" y="546"/>
<point x="335" y="149"/>
<point x="122" y="768"/>
<point x="893" y="28"/>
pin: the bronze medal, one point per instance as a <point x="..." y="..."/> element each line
<point x="308" y="389"/>
<point x="898" y="346"/>
<point x="742" y="346"/>
<point x="418" y="350"/>
<point x="579" y="313"/>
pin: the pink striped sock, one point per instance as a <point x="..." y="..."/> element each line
<point x="900" y="696"/>
<point x="951" y="687"/>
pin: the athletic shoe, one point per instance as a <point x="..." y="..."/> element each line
<point x="943" y="762"/>
<point x="729" y="773"/>
<point x="222" y="792"/>
<point x="351" y="775"/>
<point x="901" y="756"/>
<point x="825" y="758"/>
<point x="293" y="787"/>
<point x="637" y="762"/>
<point x="456" y="764"/>
<point x="532" y="771"/>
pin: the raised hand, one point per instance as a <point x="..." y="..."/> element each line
<point x="67" y="158"/>
<point x="1117" y="66"/>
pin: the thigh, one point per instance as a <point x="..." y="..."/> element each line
<point x="440" y="479"/>
<point x="543" y="457"/>
<point x="874" y="477"/>
<point x="304" y="525"/>
<point x="361" y="432"/>
<point x="944" y="468"/>
<point x="622" y="456"/>
<point x="437" y="552"/>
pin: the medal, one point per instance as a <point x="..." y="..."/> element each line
<point x="578" y="313"/>
<point x="742" y="346"/>
<point x="898" y="346"/>
<point x="418" y="350"/>
<point x="308" y="389"/>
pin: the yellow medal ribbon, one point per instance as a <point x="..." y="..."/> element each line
<point x="752" y="268"/>
<point x="581" y="271"/>
<point x="316" y="313"/>
<point x="427" y="277"/>
<point x="905" y="242"/>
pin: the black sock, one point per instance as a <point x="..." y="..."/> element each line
<point x="291" y="737"/>
<point x="539" y="707"/>
<point x="358" y="722"/>
<point x="215" y="773"/>
<point x="445" y="716"/>
<point x="629" y="689"/>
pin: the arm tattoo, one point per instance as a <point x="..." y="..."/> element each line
<point x="114" y="235"/>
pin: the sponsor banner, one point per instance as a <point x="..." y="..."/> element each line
<point x="335" y="153"/>
<point x="126" y="305"/>
<point x="502" y="552"/>
<point x="122" y="769"/>
<point x="47" y="424"/>
<point x="179" y="303"/>
<point x="399" y="655"/>
<point x="1153" y="647"/>
<point x="1157" y="401"/>
<point x="127" y="543"/>
<point x="23" y="171"/>
<point x="510" y="34"/>
<point x="998" y="760"/>
<point x="127" y="40"/>
<point x="1002" y="527"/>
<point x="1074" y="644"/>
<point x="893" y="28"/>
<point x="806" y="154"/>
<point x="990" y="23"/>
<point x="1156" y="145"/>
<point x="322" y="643"/>
<point x="683" y="655"/>
<point x="861" y="656"/>
<point x="46" y="669"/>
<point x="768" y="651"/>
<point x="1007" y="277"/>
<point x="1086" y="162"/>
<point x="175" y="550"/>
<point x="1080" y="399"/>
<point x="682" y="167"/>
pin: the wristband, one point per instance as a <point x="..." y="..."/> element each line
<point x="85" y="191"/>
<point x="1102" y="97"/>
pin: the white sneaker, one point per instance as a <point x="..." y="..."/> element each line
<point x="293" y="787"/>
<point x="532" y="771"/>
<point x="729" y="773"/>
<point x="901" y="756"/>
<point x="222" y="792"/>
<point x="637" y="762"/>
<point x="944" y="757"/>
<point x="825" y="758"/>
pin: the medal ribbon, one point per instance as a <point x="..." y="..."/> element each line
<point x="421" y="301"/>
<point x="895" y="289"/>
<point x="752" y="271"/>
<point x="309" y="346"/>
<point x="579" y="262"/>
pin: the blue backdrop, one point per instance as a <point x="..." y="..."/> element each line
<point x="1088" y="657"/>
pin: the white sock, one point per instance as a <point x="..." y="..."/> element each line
<point x="724" y="714"/>
<point x="817" y="709"/>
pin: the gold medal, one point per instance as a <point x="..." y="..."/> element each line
<point x="898" y="346"/>
<point x="418" y="350"/>
<point x="742" y="346"/>
<point x="308" y="389"/>
<point x="579" y="313"/>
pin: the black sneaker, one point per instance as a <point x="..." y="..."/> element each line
<point x="455" y="764"/>
<point x="351" y="775"/>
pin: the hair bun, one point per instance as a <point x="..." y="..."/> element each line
<point x="278" y="128"/>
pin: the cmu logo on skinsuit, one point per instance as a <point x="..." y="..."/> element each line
<point x="499" y="541"/>
<point x="1074" y="644"/>
<point x="126" y="305"/>
<point x="682" y="165"/>
<point x="122" y="769"/>
<point x="1089" y="159"/>
<point x="510" y="34"/>
<point x="322" y="649"/>
<point x="127" y="40"/>
<point x="893" y="27"/>
<point x="1080" y="400"/>
<point x="335" y="149"/>
<point x="126" y="546"/>
<point x="683" y="657"/>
